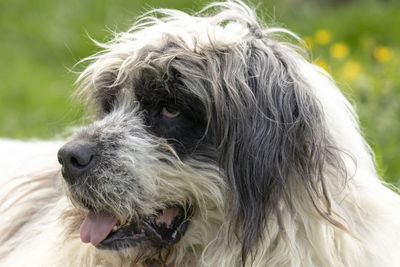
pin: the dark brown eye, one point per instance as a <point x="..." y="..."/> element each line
<point x="169" y="112"/>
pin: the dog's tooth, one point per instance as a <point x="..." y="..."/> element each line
<point x="115" y="228"/>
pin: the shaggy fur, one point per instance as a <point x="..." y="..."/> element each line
<point x="265" y="155"/>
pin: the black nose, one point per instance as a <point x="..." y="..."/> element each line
<point x="76" y="158"/>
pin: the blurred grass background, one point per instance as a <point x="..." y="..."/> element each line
<point x="357" y="41"/>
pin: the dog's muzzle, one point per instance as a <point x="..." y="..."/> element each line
<point x="101" y="228"/>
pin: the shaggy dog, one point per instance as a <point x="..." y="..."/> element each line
<point x="215" y="143"/>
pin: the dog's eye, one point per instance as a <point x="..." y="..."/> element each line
<point x="169" y="112"/>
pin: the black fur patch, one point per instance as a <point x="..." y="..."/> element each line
<point x="187" y="133"/>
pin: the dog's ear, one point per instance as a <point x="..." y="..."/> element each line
<point x="271" y="135"/>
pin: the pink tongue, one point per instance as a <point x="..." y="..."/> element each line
<point x="96" y="227"/>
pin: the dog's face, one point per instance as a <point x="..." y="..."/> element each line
<point x="149" y="164"/>
<point x="200" y="121"/>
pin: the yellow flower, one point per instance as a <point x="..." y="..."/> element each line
<point x="322" y="63"/>
<point x="339" y="50"/>
<point x="322" y="37"/>
<point x="382" y="53"/>
<point x="351" y="70"/>
<point x="309" y="42"/>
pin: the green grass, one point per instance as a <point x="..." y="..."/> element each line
<point x="41" y="42"/>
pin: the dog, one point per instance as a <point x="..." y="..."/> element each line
<point x="214" y="142"/>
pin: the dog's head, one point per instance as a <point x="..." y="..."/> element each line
<point x="204" y="124"/>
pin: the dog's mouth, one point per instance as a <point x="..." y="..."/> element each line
<point x="103" y="230"/>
